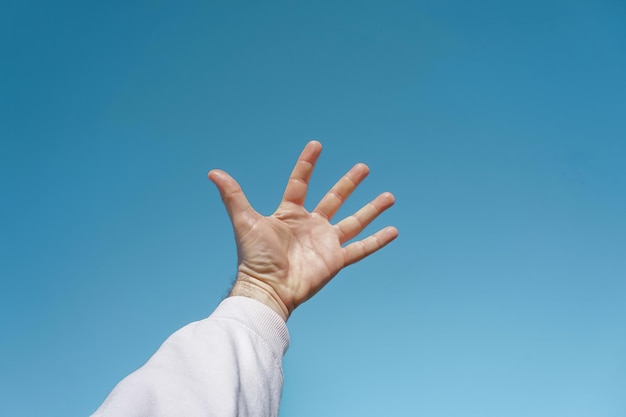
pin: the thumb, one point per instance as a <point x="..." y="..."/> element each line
<point x="232" y="195"/>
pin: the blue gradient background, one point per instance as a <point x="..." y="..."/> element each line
<point x="499" y="126"/>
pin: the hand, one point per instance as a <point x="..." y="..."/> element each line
<point x="285" y="258"/>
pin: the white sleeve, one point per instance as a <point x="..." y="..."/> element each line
<point x="229" y="364"/>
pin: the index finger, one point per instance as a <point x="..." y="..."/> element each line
<point x="298" y="183"/>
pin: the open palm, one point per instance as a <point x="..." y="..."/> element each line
<point x="285" y="258"/>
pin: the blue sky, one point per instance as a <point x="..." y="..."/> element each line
<point x="499" y="127"/>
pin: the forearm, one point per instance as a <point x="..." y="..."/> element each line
<point x="228" y="364"/>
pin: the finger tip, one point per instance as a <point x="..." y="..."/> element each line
<point x="315" y="144"/>
<point x="392" y="232"/>
<point x="216" y="174"/>
<point x="363" y="167"/>
<point x="389" y="197"/>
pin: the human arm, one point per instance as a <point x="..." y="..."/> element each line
<point x="230" y="364"/>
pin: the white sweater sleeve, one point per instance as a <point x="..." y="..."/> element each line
<point x="229" y="364"/>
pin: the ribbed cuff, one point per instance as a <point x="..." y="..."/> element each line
<point x="258" y="317"/>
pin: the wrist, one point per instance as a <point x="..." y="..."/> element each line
<point x="247" y="286"/>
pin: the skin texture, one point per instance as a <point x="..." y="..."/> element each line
<point x="287" y="257"/>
